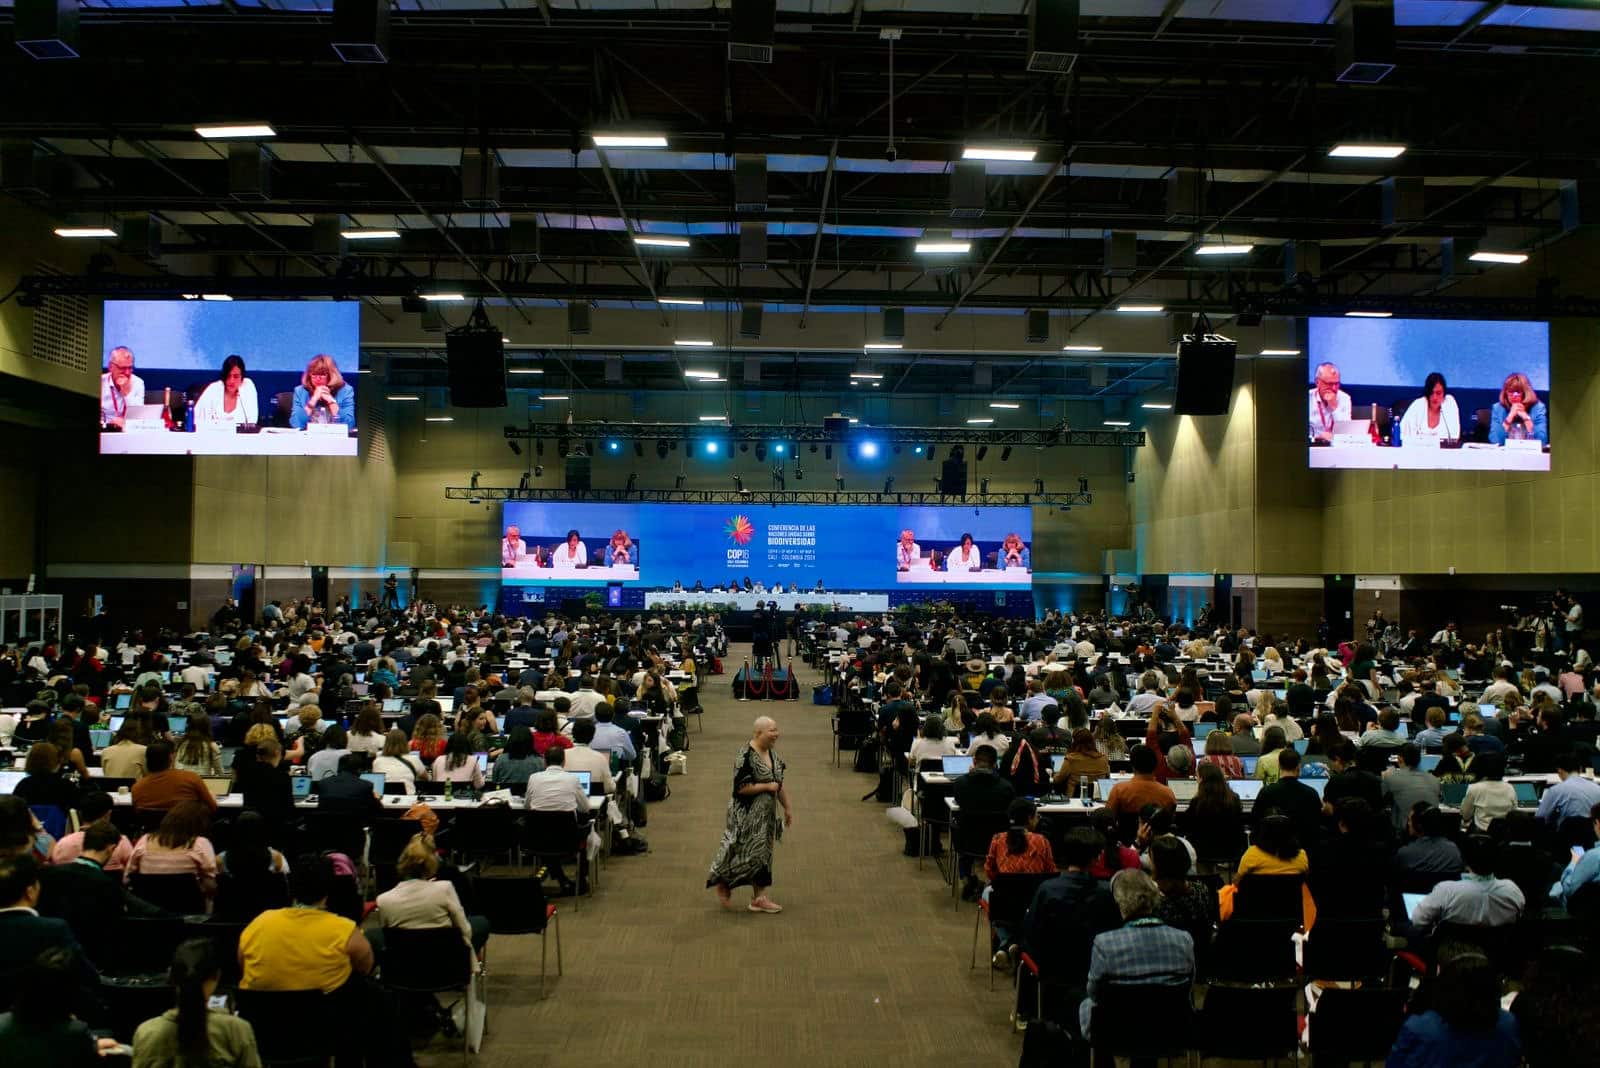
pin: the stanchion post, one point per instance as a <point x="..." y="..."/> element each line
<point x="744" y="691"/>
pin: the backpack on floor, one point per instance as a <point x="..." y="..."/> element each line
<point x="656" y="788"/>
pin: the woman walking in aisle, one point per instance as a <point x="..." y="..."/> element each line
<point x="754" y="827"/>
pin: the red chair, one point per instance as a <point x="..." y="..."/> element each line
<point x="1030" y="966"/>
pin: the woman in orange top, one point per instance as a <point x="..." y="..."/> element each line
<point x="1019" y="850"/>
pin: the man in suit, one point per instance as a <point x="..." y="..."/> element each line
<point x="346" y="793"/>
<point x="24" y="934"/>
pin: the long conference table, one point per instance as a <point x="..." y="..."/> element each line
<point x="214" y="443"/>
<point x="749" y="602"/>
<point x="397" y="803"/>
<point x="1470" y="457"/>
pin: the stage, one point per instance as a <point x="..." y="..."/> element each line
<point x="781" y="686"/>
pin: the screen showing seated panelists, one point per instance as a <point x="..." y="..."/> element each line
<point x="229" y="377"/>
<point x="710" y="547"/>
<point x="1428" y="394"/>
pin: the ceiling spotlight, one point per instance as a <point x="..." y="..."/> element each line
<point x="216" y="296"/>
<point x="403" y="397"/>
<point x="613" y="446"/>
<point x="243" y="130"/>
<point x="630" y="140"/>
<point x="1478" y="257"/>
<point x="1353" y="150"/>
<point x="712" y="448"/>
<point x="780" y="448"/>
<point x="882" y="346"/>
<point x="868" y="450"/>
<point x="916" y="450"/>
<point x="661" y="449"/>
<point x="633" y="481"/>
<point x="983" y="487"/>
<point x="696" y="373"/>
<point x="1083" y="484"/>
<point x="438" y="419"/>
<point x="870" y="376"/>
<point x="538" y="470"/>
<point x="998" y="154"/>
<point x="1005" y="454"/>
<point x="713" y="418"/>
<point x="660" y="242"/>
<point x="1117" y="422"/>
<point x="554" y="397"/>
<point x="838" y="482"/>
<point x="677" y="483"/>
<point x="983" y="450"/>
<point x="524" y="370"/>
<point x="982" y="419"/>
<point x="638" y="448"/>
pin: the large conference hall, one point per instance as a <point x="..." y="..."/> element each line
<point x="799" y="532"/>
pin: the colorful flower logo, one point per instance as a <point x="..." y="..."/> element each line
<point x="739" y="530"/>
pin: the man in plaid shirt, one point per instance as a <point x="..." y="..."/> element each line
<point x="1143" y="951"/>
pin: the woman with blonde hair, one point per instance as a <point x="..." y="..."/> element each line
<point x="1519" y="414"/>
<point x="323" y="396"/>
<point x="422" y="902"/>
<point x="620" y="550"/>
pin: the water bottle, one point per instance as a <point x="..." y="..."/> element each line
<point x="449" y="790"/>
<point x="188" y="419"/>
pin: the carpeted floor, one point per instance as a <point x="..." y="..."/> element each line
<point x="868" y="964"/>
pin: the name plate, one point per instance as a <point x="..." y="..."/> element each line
<point x="140" y="426"/>
<point x="1352" y="440"/>
<point x="1524" y="444"/>
<point x="328" y="429"/>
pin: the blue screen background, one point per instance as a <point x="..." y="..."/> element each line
<point x="1402" y="352"/>
<point x="271" y="335"/>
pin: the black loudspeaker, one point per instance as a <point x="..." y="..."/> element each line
<point x="1205" y="376"/>
<point x="953" y="479"/>
<point x="578" y="472"/>
<point x="751" y="30"/>
<point x="750" y="321"/>
<point x="319" y="585"/>
<point x="477" y="366"/>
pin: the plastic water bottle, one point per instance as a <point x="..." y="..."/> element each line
<point x="449" y="790"/>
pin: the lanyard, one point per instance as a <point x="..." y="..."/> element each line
<point x="1324" y="415"/>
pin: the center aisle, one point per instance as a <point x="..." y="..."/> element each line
<point x="868" y="963"/>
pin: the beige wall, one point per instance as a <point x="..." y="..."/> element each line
<point x="28" y="245"/>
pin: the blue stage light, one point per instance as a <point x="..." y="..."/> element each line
<point x="712" y="448"/>
<point x="869" y="450"/>
<point x="780" y="448"/>
<point x="613" y="446"/>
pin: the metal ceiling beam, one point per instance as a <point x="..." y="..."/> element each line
<point x="627" y="222"/>
<point x="822" y="218"/>
<point x="977" y="280"/>
<point x="773" y="497"/>
<point x="1037" y="437"/>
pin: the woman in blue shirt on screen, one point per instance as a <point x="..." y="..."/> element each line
<point x="1519" y="414"/>
<point x="1014" y="553"/>
<point x="323" y="396"/>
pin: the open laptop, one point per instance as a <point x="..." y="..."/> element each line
<point x="483" y="762"/>
<point x="122" y="702"/>
<point x="116" y="723"/>
<point x="1430" y="761"/>
<point x="956" y="765"/>
<point x="1245" y="789"/>
<point x="1203" y="729"/>
<point x="99" y="738"/>
<point x="177" y="724"/>
<point x="1318" y="785"/>
<point x="446" y="704"/>
<point x="9" y="780"/>
<point x="1249" y="763"/>
<point x="375" y="780"/>
<point x="1527" y="796"/>
<point x="219" y="787"/>
<point x="394" y="704"/>
<point x="1300" y="745"/>
<point x="301" y="786"/>
<point x="1102" y="788"/>
<point x="1183" y="789"/>
<point x="585" y="779"/>
<point x="1451" y="793"/>
<point x="1411" y="901"/>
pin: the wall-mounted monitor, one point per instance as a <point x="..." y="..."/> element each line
<point x="1428" y="394"/>
<point x="229" y="377"/>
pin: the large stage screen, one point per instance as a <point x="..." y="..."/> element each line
<point x="1428" y="394"/>
<point x="864" y="547"/>
<point x="230" y="377"/>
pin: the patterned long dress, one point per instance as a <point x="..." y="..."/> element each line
<point x="755" y="824"/>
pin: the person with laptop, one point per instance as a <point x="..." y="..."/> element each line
<point x="164" y="787"/>
<point x="1290" y="797"/>
<point x="584" y="757"/>
<point x="1130" y="796"/>
<point x="1430" y="852"/>
<point x="1489" y="798"/>
<point x="1407" y="785"/>
<point x="347" y="793"/>
<point x="982" y="790"/>
<point x="1574" y="796"/>
<point x="610" y="737"/>
<point x="1477" y="899"/>
<point x="556" y="790"/>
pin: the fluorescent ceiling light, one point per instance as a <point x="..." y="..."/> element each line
<point x="883" y="346"/>
<point x="1004" y="404"/>
<point x="525" y="370"/>
<point x="554" y="397"/>
<point x="1082" y="348"/>
<point x="365" y="234"/>
<point x="687" y="302"/>
<point x="661" y="242"/>
<point x="853" y="419"/>
<point x="693" y="343"/>
<point x="713" y="418"/>
<point x="984" y="419"/>
<point x="237" y="129"/>
<point x="1141" y="307"/>
<point x="1157" y="406"/>
<point x="992" y="152"/>
<point x="438" y="419"/>
<point x="98" y="231"/>
<point x="442" y="296"/>
<point x="1368" y="315"/>
<point x="940" y="248"/>
<point x="869" y="375"/>
<point x="1363" y="151"/>
<point x="718" y="378"/>
<point x="215" y="296"/>
<point x="1223" y="250"/>
<point x="1118" y="422"/>
<point x="1280" y="352"/>
<point x="1481" y="257"/>
<point x="403" y="397"/>
<point x="630" y="140"/>
<point x="696" y="373"/>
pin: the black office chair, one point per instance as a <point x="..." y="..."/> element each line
<point x="429" y="962"/>
<point x="224" y="939"/>
<point x="491" y="832"/>
<point x="1345" y="950"/>
<point x="1125" y="1017"/>
<point x="553" y="837"/>
<point x="388" y="838"/>
<point x="177" y="894"/>
<point x="515" y="905"/>
<point x="310" y="1043"/>
<point x="130" y="1000"/>
<point x="1356" y="1025"/>
<point x="970" y="835"/>
<point x="1009" y="898"/>
<point x="1248" y="1023"/>
<point x="240" y="900"/>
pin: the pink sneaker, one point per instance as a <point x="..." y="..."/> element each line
<point x="762" y="904"/>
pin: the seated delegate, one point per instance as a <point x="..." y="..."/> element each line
<point x="1432" y="416"/>
<point x="323" y="396"/>
<point x="229" y="401"/>
<point x="1519" y="414"/>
